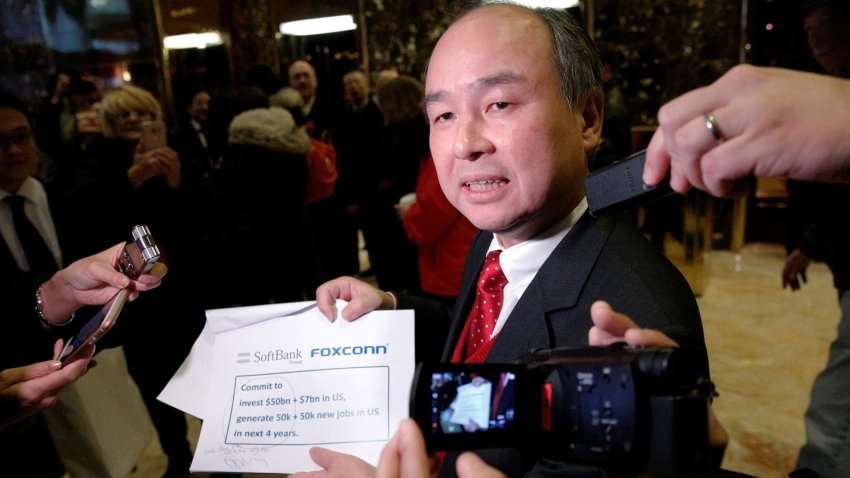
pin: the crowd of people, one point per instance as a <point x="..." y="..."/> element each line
<point x="226" y="193"/>
<point x="479" y="168"/>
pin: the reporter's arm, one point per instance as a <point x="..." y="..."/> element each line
<point x="25" y="391"/>
<point x="610" y="326"/>
<point x="90" y="281"/>
<point x="767" y="131"/>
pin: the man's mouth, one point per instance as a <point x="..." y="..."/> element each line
<point x="485" y="185"/>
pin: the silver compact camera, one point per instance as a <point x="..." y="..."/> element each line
<point x="140" y="254"/>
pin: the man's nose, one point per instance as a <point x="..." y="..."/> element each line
<point x="471" y="140"/>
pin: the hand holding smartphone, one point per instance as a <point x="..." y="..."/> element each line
<point x="138" y="257"/>
<point x="153" y="135"/>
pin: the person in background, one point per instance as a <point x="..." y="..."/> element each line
<point x="58" y="130"/>
<point x="40" y="233"/>
<point x="826" y="238"/>
<point x="264" y="172"/>
<point x="616" y="141"/>
<point x="383" y="77"/>
<point x="319" y="112"/>
<point x="441" y="233"/>
<point x="361" y="129"/>
<point x="130" y="182"/>
<point x="392" y="255"/>
<point x="191" y="136"/>
<point x="320" y="119"/>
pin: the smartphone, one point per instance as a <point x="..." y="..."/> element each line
<point x="96" y="327"/>
<point x="138" y="257"/>
<point x="153" y="135"/>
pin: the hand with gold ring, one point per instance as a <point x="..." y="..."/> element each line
<point x="753" y="121"/>
<point x="713" y="127"/>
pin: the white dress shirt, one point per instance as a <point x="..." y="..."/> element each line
<point x="37" y="209"/>
<point x="521" y="262"/>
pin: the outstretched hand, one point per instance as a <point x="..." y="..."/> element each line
<point x="25" y="391"/>
<point x="766" y="132"/>
<point x="610" y="326"/>
<point x="362" y="298"/>
<point x="93" y="280"/>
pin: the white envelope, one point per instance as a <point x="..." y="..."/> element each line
<point x="270" y="382"/>
<point x="188" y="388"/>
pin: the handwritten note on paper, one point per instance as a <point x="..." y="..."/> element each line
<point x="282" y="386"/>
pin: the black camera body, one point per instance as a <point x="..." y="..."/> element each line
<point x="637" y="410"/>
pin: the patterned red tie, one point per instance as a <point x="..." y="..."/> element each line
<point x="488" y="303"/>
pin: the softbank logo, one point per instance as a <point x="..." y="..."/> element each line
<point x="349" y="350"/>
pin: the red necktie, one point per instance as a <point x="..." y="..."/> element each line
<point x="488" y="303"/>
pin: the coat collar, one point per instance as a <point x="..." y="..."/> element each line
<point x="558" y="285"/>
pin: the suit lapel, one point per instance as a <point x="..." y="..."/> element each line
<point x="557" y="285"/>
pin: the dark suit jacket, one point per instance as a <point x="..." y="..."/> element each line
<point x="27" y="342"/>
<point x="604" y="258"/>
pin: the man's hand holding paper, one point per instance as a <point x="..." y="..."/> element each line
<point x="282" y="386"/>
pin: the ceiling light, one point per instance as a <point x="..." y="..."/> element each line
<point x="192" y="40"/>
<point x="318" y="26"/>
<point x="546" y="3"/>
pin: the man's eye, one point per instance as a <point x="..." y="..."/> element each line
<point x="499" y="105"/>
<point x="444" y="117"/>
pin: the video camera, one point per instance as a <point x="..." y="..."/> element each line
<point x="621" y="408"/>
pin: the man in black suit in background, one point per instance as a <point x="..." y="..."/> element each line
<point x="35" y="228"/>
<point x="514" y="101"/>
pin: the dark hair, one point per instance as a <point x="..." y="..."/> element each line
<point x="263" y="77"/>
<point x="225" y="104"/>
<point x="574" y="55"/>
<point x="833" y="5"/>
<point x="80" y="86"/>
<point x="401" y="99"/>
<point x="8" y="100"/>
<point x="187" y="95"/>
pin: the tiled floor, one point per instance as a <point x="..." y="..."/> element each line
<point x="766" y="345"/>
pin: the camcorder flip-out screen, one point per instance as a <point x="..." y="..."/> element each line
<point x="496" y="403"/>
<point x="614" y="407"/>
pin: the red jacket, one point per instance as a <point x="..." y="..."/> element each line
<point x="442" y="233"/>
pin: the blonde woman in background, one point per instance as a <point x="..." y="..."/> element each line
<point x="135" y="178"/>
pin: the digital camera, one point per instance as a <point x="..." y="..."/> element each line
<point x="140" y="254"/>
<point x="630" y="409"/>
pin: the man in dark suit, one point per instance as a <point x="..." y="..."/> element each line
<point x="514" y="101"/>
<point x="29" y="256"/>
<point x="191" y="136"/>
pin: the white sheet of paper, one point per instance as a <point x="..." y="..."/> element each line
<point x="189" y="388"/>
<point x="282" y="386"/>
<point x="472" y="403"/>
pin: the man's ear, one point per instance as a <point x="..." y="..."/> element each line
<point x="591" y="109"/>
